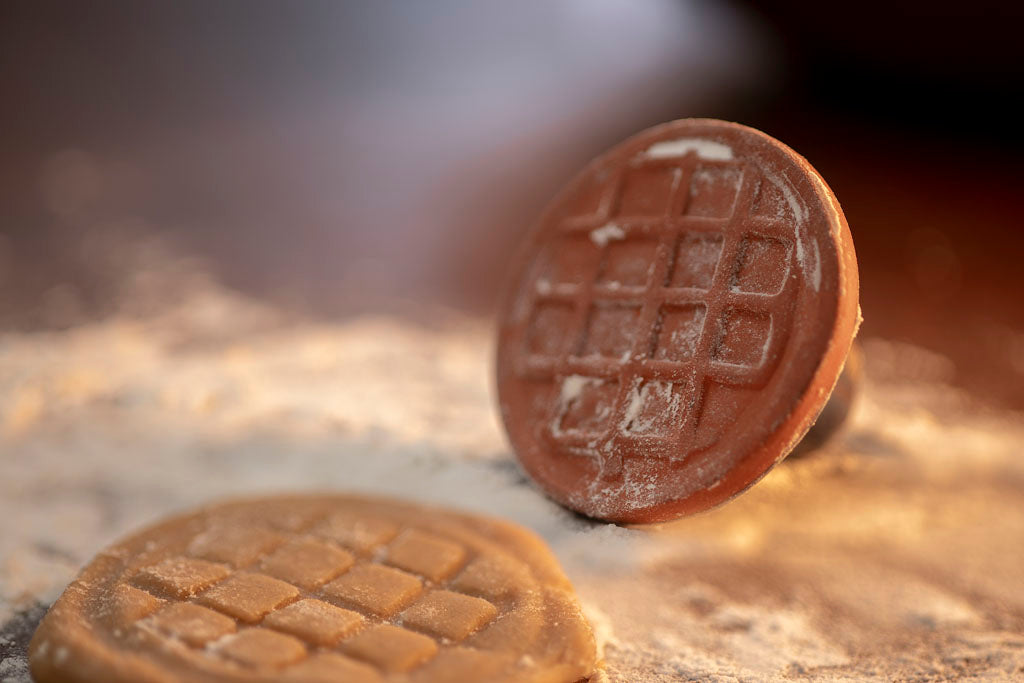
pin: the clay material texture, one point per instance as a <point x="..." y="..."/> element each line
<point x="676" y="322"/>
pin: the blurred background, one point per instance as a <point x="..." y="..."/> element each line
<point x="337" y="158"/>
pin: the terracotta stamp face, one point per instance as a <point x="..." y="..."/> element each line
<point x="676" y="322"/>
<point x="319" y="589"/>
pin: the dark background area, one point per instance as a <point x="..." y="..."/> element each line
<point x="338" y="158"/>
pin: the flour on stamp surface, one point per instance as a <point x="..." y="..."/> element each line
<point x="705" y="149"/>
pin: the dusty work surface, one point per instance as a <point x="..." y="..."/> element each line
<point x="899" y="553"/>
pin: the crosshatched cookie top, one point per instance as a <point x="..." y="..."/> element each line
<point x="334" y="588"/>
<point x="676" y="322"/>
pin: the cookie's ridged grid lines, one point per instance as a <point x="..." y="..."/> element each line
<point x="718" y="302"/>
<point x="265" y="542"/>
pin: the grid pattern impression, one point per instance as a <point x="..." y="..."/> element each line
<point x="676" y="275"/>
<point x="346" y="597"/>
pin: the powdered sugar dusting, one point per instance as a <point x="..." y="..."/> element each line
<point x="705" y="149"/>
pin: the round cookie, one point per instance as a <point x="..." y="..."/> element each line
<point x="675" y="322"/>
<point x="318" y="588"/>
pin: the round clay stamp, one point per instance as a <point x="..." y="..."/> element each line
<point x="676" y="322"/>
<point x="318" y="588"/>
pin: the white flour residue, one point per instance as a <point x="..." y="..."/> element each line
<point x="816" y="273"/>
<point x="810" y="264"/>
<point x="572" y="387"/>
<point x="635" y="486"/>
<point x="636" y="404"/>
<point x="705" y="149"/>
<point x="606" y="233"/>
<point x="706" y="177"/>
<point x="795" y="205"/>
<point x="729" y="349"/>
<point x="811" y="268"/>
<point x="255" y="448"/>
<point x="698" y="268"/>
<point x="571" y="391"/>
<point x="685" y="338"/>
<point x="604" y="632"/>
<point x="652" y="406"/>
<point x="767" y="341"/>
<point x="216" y="407"/>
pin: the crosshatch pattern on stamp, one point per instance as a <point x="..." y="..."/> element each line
<point x="678" y="278"/>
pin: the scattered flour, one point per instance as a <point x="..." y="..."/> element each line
<point x="138" y="419"/>
<point x="604" y="631"/>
